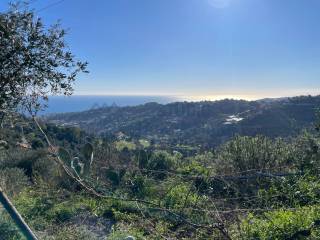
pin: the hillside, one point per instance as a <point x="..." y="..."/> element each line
<point x="201" y="123"/>
<point x="235" y="190"/>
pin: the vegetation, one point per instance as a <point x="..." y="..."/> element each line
<point x="34" y="60"/>
<point x="197" y="124"/>
<point x="248" y="188"/>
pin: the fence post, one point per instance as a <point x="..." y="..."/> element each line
<point x="24" y="228"/>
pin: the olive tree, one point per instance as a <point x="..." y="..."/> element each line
<point x="35" y="61"/>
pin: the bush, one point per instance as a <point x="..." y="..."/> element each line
<point x="306" y="152"/>
<point x="115" y="176"/>
<point x="139" y="186"/>
<point x="282" y="224"/>
<point x="13" y="181"/>
<point x="23" y="159"/>
<point x="293" y="191"/>
<point x="161" y="161"/>
<point x="246" y="153"/>
<point x="46" y="170"/>
<point x="181" y="196"/>
<point x="8" y="230"/>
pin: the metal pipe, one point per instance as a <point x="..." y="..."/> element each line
<point x="24" y="228"/>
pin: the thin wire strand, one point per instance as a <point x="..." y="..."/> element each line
<point x="49" y="6"/>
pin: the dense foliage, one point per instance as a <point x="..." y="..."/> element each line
<point x="247" y="188"/>
<point x="34" y="60"/>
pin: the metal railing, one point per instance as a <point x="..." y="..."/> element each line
<point x="16" y="217"/>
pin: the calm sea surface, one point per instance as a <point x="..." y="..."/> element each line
<point x="60" y="104"/>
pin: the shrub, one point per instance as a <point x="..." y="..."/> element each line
<point x="13" y="181"/>
<point x="139" y="186"/>
<point x="181" y="196"/>
<point x="23" y="159"/>
<point x="8" y="230"/>
<point x="293" y="191"/>
<point x="161" y="161"/>
<point x="115" y="176"/>
<point x="306" y="152"/>
<point x="45" y="169"/>
<point x="246" y="153"/>
<point x="282" y="224"/>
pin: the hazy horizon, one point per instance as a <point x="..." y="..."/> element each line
<point x="77" y="103"/>
<point x="212" y="97"/>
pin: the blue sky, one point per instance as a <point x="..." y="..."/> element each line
<point x="196" y="48"/>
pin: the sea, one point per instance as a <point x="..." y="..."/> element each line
<point x="63" y="104"/>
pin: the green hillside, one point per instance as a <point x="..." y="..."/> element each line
<point x="198" y="123"/>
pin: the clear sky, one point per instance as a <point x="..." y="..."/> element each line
<point x="195" y="48"/>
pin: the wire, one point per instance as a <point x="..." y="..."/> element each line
<point x="49" y="6"/>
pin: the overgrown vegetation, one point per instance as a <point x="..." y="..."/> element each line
<point x="248" y="188"/>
